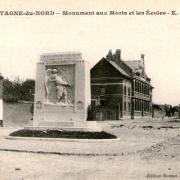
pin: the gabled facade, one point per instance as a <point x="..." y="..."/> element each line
<point x="120" y="89"/>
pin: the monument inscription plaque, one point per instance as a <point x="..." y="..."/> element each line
<point x="62" y="90"/>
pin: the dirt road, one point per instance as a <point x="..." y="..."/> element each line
<point x="153" y="153"/>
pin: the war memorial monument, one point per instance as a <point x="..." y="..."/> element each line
<point x="62" y="91"/>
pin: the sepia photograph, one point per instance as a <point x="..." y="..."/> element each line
<point x="89" y="90"/>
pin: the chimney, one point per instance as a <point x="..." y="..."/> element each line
<point x="118" y="55"/>
<point x="142" y="59"/>
<point x="109" y="56"/>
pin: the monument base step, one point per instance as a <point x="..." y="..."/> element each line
<point x="84" y="129"/>
<point x="90" y="126"/>
<point x="57" y="124"/>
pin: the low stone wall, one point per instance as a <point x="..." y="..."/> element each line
<point x="1" y="123"/>
<point x="17" y="114"/>
<point x="159" y="114"/>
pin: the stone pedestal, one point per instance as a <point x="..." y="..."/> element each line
<point x="62" y="91"/>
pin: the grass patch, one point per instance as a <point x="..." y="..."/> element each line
<point x="174" y="121"/>
<point x="168" y="127"/>
<point x="147" y="127"/>
<point x="62" y="134"/>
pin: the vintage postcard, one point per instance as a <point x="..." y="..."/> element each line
<point x="89" y="89"/>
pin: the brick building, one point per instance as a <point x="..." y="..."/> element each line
<point x="120" y="89"/>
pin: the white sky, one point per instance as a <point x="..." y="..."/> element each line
<point x="23" y="39"/>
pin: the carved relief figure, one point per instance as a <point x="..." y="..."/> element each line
<point x="49" y="84"/>
<point x="55" y="84"/>
<point x="61" y="85"/>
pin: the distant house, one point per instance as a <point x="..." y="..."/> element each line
<point x="120" y="89"/>
<point x="158" y="111"/>
<point x="176" y="111"/>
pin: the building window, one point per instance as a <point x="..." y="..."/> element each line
<point x="124" y="105"/>
<point x="145" y="89"/>
<point x="108" y="115"/>
<point x="136" y="86"/>
<point x="150" y="110"/>
<point x="129" y="91"/>
<point x="129" y="106"/>
<point x="93" y="103"/>
<point x="144" y="104"/>
<point x="139" y="105"/>
<point x="103" y="91"/>
<point x="102" y="101"/>
<point x="124" y="89"/>
<point x="139" y="87"/>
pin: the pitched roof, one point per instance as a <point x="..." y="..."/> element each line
<point x="118" y="68"/>
<point x="134" y="65"/>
